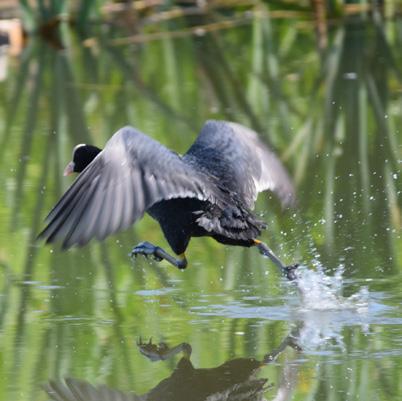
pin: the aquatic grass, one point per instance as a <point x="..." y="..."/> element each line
<point x="5" y="290"/>
<point x="306" y="143"/>
<point x="13" y="109"/>
<point x="256" y="93"/>
<point x="100" y="282"/>
<point x="26" y="139"/>
<point x="131" y="74"/>
<point x="45" y="15"/>
<point x="271" y="70"/>
<point x="25" y="295"/>
<point x="363" y="146"/>
<point x="28" y="14"/>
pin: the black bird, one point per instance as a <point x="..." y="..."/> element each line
<point x="237" y="379"/>
<point x="209" y="191"/>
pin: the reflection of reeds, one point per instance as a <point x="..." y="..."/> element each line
<point x="333" y="125"/>
<point x="28" y="131"/>
<point x="335" y="134"/>
<point x="5" y="291"/>
<point x="328" y="122"/>
<point x="14" y="104"/>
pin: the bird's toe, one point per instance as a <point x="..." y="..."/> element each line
<point x="145" y="249"/>
<point x="290" y="272"/>
<point x="154" y="352"/>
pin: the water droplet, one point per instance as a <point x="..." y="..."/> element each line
<point x="350" y="75"/>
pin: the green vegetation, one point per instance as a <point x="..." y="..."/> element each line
<point x="46" y="15"/>
<point x="331" y="109"/>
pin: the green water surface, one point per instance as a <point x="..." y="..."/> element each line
<point x="242" y="332"/>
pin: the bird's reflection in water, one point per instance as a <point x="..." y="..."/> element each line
<point x="234" y="380"/>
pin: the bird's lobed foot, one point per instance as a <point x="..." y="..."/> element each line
<point x="290" y="272"/>
<point x="146" y="249"/>
<point x="154" y="352"/>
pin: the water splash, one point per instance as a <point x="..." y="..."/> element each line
<point x="323" y="310"/>
<point x="319" y="291"/>
<point x="319" y="331"/>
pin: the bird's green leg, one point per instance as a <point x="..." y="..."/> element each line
<point x="288" y="271"/>
<point x="147" y="249"/>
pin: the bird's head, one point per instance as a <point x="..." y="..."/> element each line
<point x="82" y="156"/>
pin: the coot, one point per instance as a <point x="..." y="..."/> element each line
<point x="209" y="191"/>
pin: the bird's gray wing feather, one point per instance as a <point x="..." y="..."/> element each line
<point x="131" y="174"/>
<point x="240" y="161"/>
<point x="76" y="390"/>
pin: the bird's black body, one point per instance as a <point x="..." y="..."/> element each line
<point x="238" y="379"/>
<point x="209" y="191"/>
<point x="180" y="220"/>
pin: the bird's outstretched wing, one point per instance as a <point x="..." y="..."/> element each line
<point x="76" y="390"/>
<point x="131" y="174"/>
<point x="237" y="157"/>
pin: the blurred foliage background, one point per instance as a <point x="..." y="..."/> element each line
<point x="320" y="81"/>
